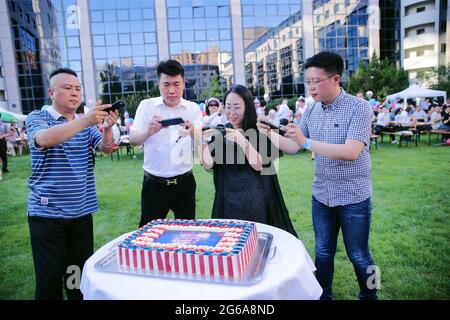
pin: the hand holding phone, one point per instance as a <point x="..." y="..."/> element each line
<point x="171" y="122"/>
<point x="115" y="106"/>
<point x="272" y="126"/>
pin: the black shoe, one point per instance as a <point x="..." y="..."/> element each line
<point x="5" y="170"/>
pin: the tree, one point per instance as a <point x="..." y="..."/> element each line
<point x="215" y="89"/>
<point x="437" y="79"/>
<point x="380" y="77"/>
<point x="132" y="102"/>
<point x="154" y="91"/>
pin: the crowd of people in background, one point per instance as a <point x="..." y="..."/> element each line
<point x="12" y="142"/>
<point x="279" y="115"/>
<point x="429" y="113"/>
<point x="385" y="113"/>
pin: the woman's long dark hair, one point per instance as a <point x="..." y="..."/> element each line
<point x="250" y="111"/>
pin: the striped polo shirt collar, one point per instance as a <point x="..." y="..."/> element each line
<point x="56" y="115"/>
<point x="336" y="101"/>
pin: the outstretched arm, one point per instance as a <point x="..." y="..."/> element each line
<point x="294" y="140"/>
<point x="138" y="137"/>
<point x="61" y="133"/>
<point x="284" y="144"/>
<point x="348" y="151"/>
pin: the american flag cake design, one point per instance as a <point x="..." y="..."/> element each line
<point x="212" y="248"/>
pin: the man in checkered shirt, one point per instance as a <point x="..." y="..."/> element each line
<point x="337" y="129"/>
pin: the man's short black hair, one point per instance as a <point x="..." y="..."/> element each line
<point x="63" y="70"/>
<point x="329" y="61"/>
<point x="171" y="68"/>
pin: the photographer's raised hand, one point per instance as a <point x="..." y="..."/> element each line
<point x="96" y="114"/>
<point x="61" y="133"/>
<point x="293" y="132"/>
<point x="236" y="136"/>
<point x="154" y="126"/>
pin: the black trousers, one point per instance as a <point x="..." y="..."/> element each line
<point x="60" y="248"/>
<point x="3" y="155"/>
<point x="157" y="199"/>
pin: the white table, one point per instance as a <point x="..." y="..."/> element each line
<point x="288" y="275"/>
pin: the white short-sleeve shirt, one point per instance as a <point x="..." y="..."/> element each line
<point x="165" y="153"/>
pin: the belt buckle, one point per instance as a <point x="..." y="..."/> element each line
<point x="171" y="181"/>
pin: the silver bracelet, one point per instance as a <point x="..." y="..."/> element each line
<point x="108" y="145"/>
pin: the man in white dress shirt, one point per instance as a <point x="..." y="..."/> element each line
<point x="168" y="151"/>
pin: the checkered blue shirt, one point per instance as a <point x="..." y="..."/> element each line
<point x="338" y="182"/>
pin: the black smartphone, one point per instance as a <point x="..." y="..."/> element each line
<point x="171" y="122"/>
<point x="115" y="106"/>
<point x="272" y="126"/>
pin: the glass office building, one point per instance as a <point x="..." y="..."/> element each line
<point x="34" y="38"/>
<point x="115" y="45"/>
<point x="124" y="46"/>
<point x="200" y="38"/>
<point x="273" y="42"/>
<point x="390" y="30"/>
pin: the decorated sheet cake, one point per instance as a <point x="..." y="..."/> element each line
<point x="214" y="248"/>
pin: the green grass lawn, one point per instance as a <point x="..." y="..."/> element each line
<point x="410" y="233"/>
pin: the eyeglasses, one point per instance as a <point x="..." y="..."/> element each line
<point x="314" y="83"/>
<point x="213" y="105"/>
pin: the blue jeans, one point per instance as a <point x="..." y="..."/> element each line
<point x="354" y="220"/>
<point x="444" y="127"/>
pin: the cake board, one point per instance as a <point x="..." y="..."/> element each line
<point x="253" y="274"/>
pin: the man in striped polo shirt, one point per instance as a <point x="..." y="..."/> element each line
<point x="63" y="195"/>
<point x="337" y="129"/>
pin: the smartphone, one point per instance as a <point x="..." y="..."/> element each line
<point x="171" y="122"/>
<point x="115" y="106"/>
<point x="272" y="126"/>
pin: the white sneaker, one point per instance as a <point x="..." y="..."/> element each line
<point x="395" y="142"/>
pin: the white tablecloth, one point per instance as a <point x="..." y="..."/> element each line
<point x="288" y="275"/>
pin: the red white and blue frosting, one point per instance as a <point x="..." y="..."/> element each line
<point x="199" y="247"/>
<point x="191" y="236"/>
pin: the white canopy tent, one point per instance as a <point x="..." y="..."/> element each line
<point x="18" y="116"/>
<point x="414" y="91"/>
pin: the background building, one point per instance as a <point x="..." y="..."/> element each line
<point x="423" y="30"/>
<point x="115" y="45"/>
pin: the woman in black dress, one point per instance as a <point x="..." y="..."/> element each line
<point x="241" y="159"/>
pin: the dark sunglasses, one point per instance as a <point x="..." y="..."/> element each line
<point x="213" y="105"/>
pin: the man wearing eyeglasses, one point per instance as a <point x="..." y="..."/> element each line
<point x="336" y="127"/>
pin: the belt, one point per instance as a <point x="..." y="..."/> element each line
<point x="168" y="181"/>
